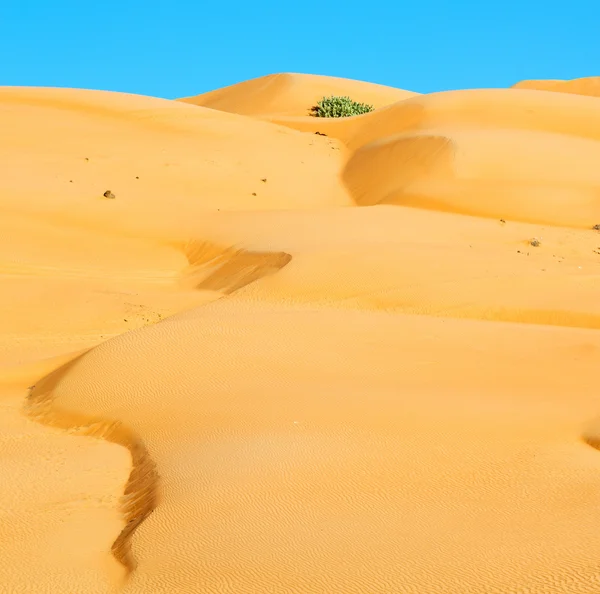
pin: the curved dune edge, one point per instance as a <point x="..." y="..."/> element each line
<point x="450" y="169"/>
<point x="512" y="109"/>
<point x="489" y="153"/>
<point x="451" y="266"/>
<point x="226" y="409"/>
<point x="216" y="268"/>
<point x="589" y="85"/>
<point x="212" y="267"/>
<point x="591" y="434"/>
<point x="292" y="94"/>
<point x="140" y="496"/>
<point x="492" y="153"/>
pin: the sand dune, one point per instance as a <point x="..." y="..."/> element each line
<point x="521" y="109"/>
<point x="445" y="150"/>
<point x="293" y="94"/>
<point x="579" y="86"/>
<point x="282" y="362"/>
<point x="521" y="173"/>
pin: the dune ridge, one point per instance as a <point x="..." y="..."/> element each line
<point x="357" y="362"/>
<point x="140" y="495"/>
<point x="211" y="268"/>
<point x="579" y="86"/>
<point x="292" y="94"/>
<point x="497" y="124"/>
<point x="215" y="268"/>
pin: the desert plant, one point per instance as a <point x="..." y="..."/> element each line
<point x="339" y="107"/>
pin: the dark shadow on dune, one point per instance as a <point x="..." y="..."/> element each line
<point x="141" y="491"/>
<point x="215" y="268"/>
<point x="592" y="439"/>
<point x="591" y="433"/>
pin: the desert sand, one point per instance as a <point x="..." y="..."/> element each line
<point x="580" y="86"/>
<point x="274" y="361"/>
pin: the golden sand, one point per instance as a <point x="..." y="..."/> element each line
<point x="579" y="86"/>
<point x="272" y="361"/>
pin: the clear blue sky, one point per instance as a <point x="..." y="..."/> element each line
<point x="176" y="48"/>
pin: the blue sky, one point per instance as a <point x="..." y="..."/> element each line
<point x="175" y="48"/>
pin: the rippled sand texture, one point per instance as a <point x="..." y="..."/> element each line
<point x="283" y="362"/>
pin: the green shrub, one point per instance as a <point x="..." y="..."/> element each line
<point x="339" y="107"/>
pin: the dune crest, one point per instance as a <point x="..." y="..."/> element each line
<point x="290" y="94"/>
<point x="579" y="86"/>
<point x="140" y="495"/>
<point x="239" y="356"/>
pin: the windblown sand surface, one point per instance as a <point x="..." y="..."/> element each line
<point x="282" y="362"/>
<point x="579" y="86"/>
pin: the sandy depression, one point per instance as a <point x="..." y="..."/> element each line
<point x="272" y="361"/>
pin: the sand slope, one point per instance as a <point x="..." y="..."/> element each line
<point x="578" y="86"/>
<point x="363" y="378"/>
<point x="445" y="151"/>
<point x="292" y="94"/>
